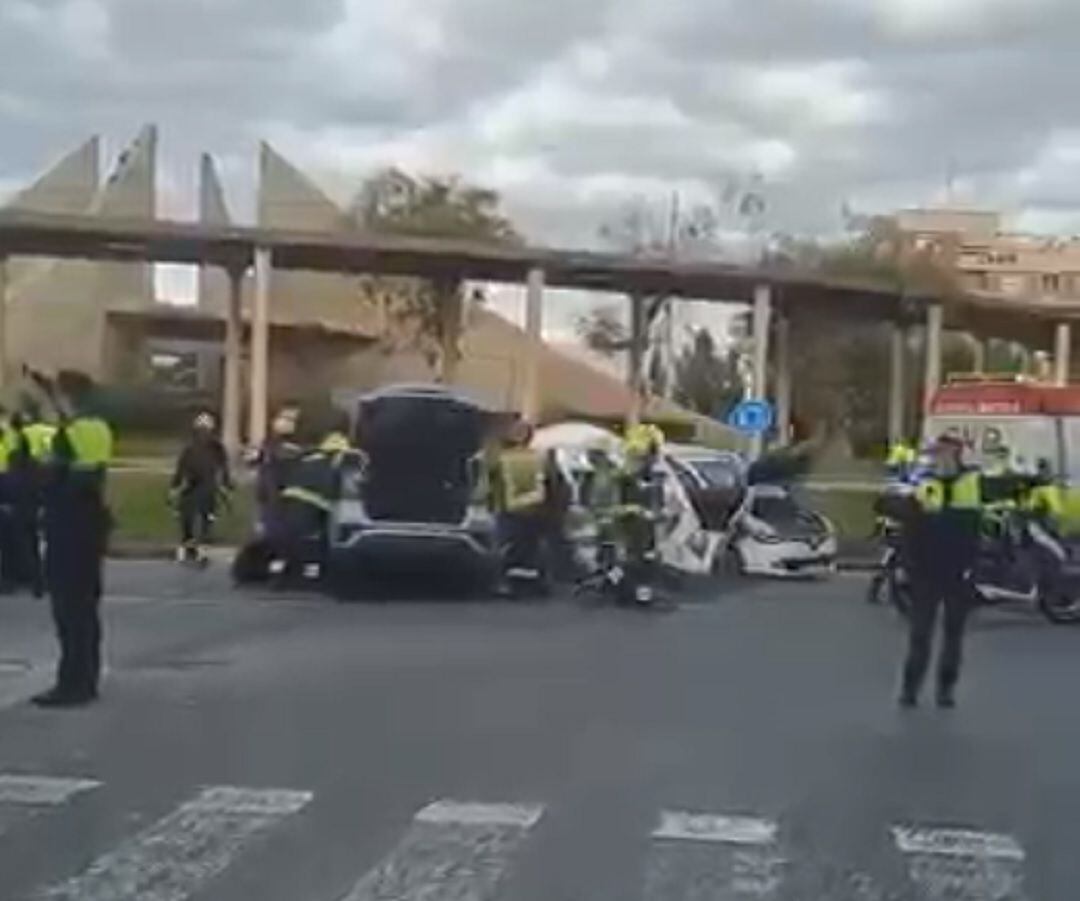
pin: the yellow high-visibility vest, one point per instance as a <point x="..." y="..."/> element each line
<point x="39" y="438"/>
<point x="522" y="478"/>
<point x="91" y="442"/>
<point x="966" y="493"/>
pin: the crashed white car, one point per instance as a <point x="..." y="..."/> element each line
<point x="776" y="535"/>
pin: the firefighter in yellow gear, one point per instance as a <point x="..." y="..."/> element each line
<point x="516" y="481"/>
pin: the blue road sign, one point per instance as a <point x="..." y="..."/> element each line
<point x="751" y="417"/>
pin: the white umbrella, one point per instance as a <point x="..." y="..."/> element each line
<point x="576" y="436"/>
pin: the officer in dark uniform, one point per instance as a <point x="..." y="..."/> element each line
<point x="76" y="531"/>
<point x="32" y="443"/>
<point x="940" y="540"/>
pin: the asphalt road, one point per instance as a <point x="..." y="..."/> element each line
<point x="747" y="745"/>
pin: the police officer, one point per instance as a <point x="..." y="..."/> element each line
<point x="32" y="445"/>
<point x="900" y="461"/>
<point x="9" y="556"/>
<point x="940" y="540"/>
<point x="76" y="530"/>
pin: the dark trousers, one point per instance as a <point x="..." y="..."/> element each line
<point x="521" y="537"/>
<point x="931" y="591"/>
<point x="197" y="510"/>
<point x="76" y="613"/>
<point x="25" y="546"/>
<point x="76" y="533"/>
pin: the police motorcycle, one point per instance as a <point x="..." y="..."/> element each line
<point x="1021" y="562"/>
<point x="888" y="582"/>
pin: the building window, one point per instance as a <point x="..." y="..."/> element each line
<point x="1051" y="283"/>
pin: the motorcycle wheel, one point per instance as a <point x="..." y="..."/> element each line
<point x="1059" y="608"/>
<point x="875" y="593"/>
<point x="899" y="594"/>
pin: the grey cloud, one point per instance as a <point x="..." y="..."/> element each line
<point x="988" y="93"/>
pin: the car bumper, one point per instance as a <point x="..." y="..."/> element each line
<point x="788" y="559"/>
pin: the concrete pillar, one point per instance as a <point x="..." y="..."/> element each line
<point x="761" y="317"/>
<point x="897" y="359"/>
<point x="978" y="353"/>
<point x="531" y="388"/>
<point x="1062" y="347"/>
<point x="4" y="361"/>
<point x="260" y="347"/>
<point x="635" y="358"/>
<point x="783" y="380"/>
<point x="935" y="323"/>
<point x="231" y="402"/>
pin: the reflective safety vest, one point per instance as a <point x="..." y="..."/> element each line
<point x="88" y="439"/>
<point x="311" y="481"/>
<point x="522" y="472"/>
<point x="901" y="454"/>
<point x="931" y="493"/>
<point x="334" y="443"/>
<point x="1045" y="500"/>
<point x="39" y="438"/>
<point x="9" y="442"/>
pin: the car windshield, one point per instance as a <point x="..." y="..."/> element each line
<point x="777" y="508"/>
<point x="718" y="473"/>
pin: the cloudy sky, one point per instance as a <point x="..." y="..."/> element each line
<point x="572" y="108"/>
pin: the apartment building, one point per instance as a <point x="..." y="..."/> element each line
<point x="993" y="260"/>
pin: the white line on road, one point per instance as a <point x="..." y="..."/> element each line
<point x="963" y="864"/>
<point x="721" y="857"/>
<point x="454" y="851"/>
<point x="707" y="827"/>
<point x="175" y="857"/>
<point x="37" y="791"/>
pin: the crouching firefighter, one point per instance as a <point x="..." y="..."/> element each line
<point x="298" y="526"/>
<point x="517" y="485"/>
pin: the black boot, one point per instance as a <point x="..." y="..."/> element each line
<point x="946" y="697"/>
<point x="63" y="697"/>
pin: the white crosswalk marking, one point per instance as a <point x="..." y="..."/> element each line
<point x="962" y="864"/>
<point x="23" y="796"/>
<point x="699" y="856"/>
<point x="173" y="858"/>
<point x="36" y="791"/>
<point x="454" y="851"/>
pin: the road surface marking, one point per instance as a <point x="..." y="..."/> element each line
<point x="707" y="827"/>
<point x="454" y="851"/>
<point x="963" y="864"/>
<point x="719" y="857"/>
<point x="18" y="687"/>
<point x="38" y="791"/>
<point x="173" y="858"/>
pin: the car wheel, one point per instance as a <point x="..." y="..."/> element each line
<point x="729" y="563"/>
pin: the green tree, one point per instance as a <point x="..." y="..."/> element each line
<point x="429" y="311"/>
<point x="842" y="369"/>
<point x="707" y="379"/>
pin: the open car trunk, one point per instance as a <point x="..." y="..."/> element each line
<point x="420" y="443"/>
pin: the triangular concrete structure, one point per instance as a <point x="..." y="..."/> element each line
<point x="213" y="210"/>
<point x="68" y="187"/>
<point x="289" y="200"/>
<point x="130" y="190"/>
